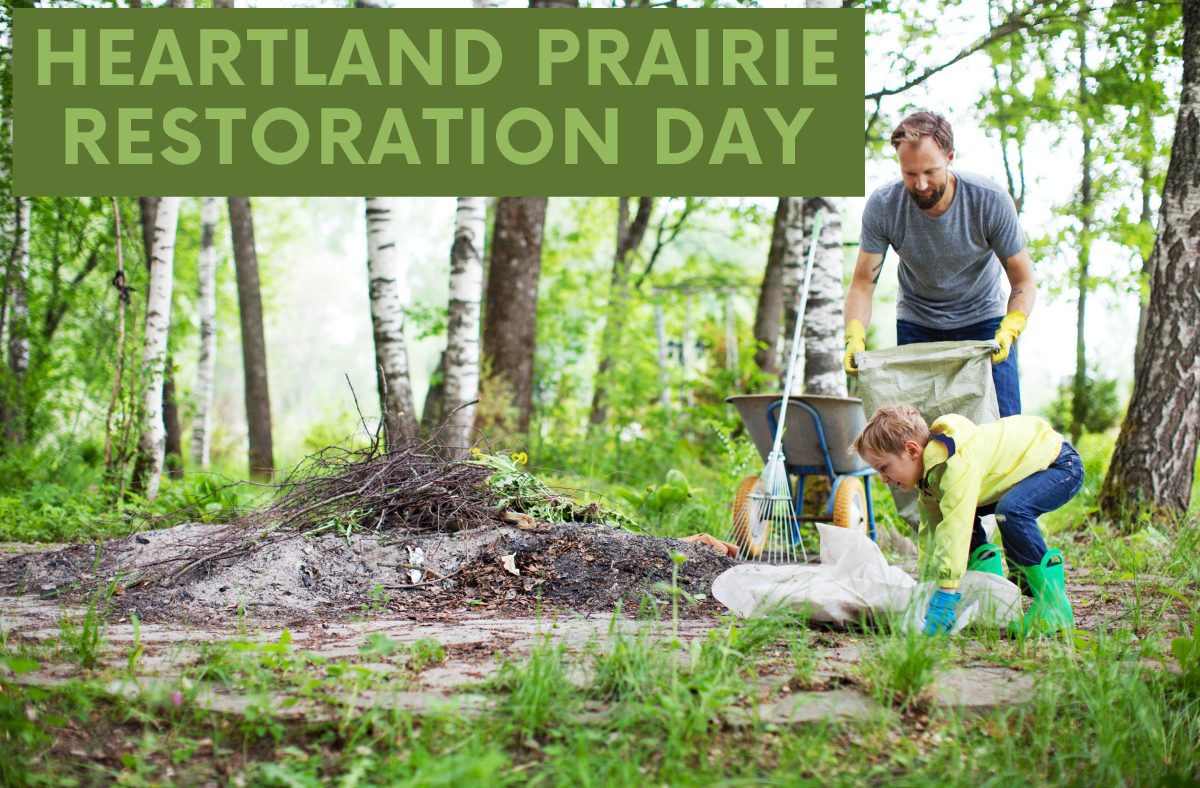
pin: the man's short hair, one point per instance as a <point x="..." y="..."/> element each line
<point x="889" y="429"/>
<point x="924" y="124"/>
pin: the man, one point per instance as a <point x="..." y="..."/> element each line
<point x="955" y="234"/>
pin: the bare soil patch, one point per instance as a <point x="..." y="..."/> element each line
<point x="583" y="567"/>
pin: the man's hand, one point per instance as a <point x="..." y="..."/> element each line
<point x="858" y="305"/>
<point x="1010" y="328"/>
<point x="939" y="619"/>
<point x="856" y="340"/>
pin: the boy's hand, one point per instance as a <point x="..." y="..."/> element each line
<point x="939" y="619"/>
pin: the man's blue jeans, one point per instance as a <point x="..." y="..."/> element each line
<point x="1004" y="374"/>
<point x="1018" y="509"/>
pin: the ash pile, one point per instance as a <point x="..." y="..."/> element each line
<point x="401" y="533"/>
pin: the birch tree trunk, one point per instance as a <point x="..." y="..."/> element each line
<point x="147" y="472"/>
<point x="823" y="348"/>
<point x="206" y="310"/>
<point x="823" y="323"/>
<point x="261" y="455"/>
<point x="824" y="344"/>
<point x="510" y="322"/>
<point x="770" y="296"/>
<point x="1154" y="461"/>
<point x="461" y="383"/>
<point x="389" y="294"/>
<point x="18" y="322"/>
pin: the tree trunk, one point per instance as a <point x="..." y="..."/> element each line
<point x="170" y="409"/>
<point x="1079" y="393"/>
<point x="206" y="311"/>
<point x="18" y="322"/>
<point x="147" y="472"/>
<point x="148" y="207"/>
<point x="432" y="411"/>
<point x="629" y="238"/>
<point x="1147" y="272"/>
<point x="389" y="294"/>
<point x="770" y="296"/>
<point x="254" y="345"/>
<point x="461" y="382"/>
<point x="510" y="325"/>
<point x="1154" y="462"/>
<point x="824" y="344"/>
<point x="173" y="447"/>
<point x="823" y="349"/>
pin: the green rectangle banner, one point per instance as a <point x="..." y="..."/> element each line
<point x="553" y="102"/>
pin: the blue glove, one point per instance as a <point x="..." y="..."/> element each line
<point x="940" y="617"/>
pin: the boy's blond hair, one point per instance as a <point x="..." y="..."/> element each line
<point x="889" y="429"/>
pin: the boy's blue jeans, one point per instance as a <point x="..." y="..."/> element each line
<point x="1017" y="511"/>
<point x="1004" y="374"/>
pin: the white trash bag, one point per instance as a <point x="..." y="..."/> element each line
<point x="854" y="581"/>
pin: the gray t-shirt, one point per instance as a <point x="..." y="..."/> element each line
<point x="949" y="266"/>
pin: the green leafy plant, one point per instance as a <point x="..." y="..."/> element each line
<point x="523" y="492"/>
<point x="660" y="498"/>
<point x="1101" y="409"/>
<point x="1186" y="651"/>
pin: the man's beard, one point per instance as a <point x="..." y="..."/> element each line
<point x="925" y="202"/>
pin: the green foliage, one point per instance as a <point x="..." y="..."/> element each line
<point x="1186" y="650"/>
<point x="659" y="498"/>
<point x="49" y="512"/>
<point x="210" y="497"/>
<point x="1101" y="411"/>
<point x="524" y="492"/>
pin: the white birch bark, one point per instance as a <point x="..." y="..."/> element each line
<point x="152" y="444"/>
<point x="793" y="276"/>
<point x="206" y="310"/>
<point x="822" y="349"/>
<point x="466" y="295"/>
<point x="824" y="341"/>
<point x="389" y="294"/>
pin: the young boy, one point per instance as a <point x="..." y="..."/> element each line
<point x="1018" y="463"/>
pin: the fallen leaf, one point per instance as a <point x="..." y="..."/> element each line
<point x="510" y="564"/>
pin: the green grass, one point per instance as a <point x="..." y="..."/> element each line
<point x="1102" y="715"/>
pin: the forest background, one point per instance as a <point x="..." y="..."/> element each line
<point x="646" y="308"/>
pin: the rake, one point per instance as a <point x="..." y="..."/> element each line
<point x="765" y="524"/>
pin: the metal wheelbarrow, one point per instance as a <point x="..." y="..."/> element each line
<point x="817" y="435"/>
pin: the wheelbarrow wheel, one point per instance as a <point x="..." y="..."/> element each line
<point x="749" y="532"/>
<point x="850" y="505"/>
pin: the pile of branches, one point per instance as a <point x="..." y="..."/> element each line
<point x="409" y="487"/>
<point x="414" y="486"/>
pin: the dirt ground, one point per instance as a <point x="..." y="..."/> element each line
<point x="586" y="568"/>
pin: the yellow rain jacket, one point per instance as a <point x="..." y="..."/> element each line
<point x="968" y="465"/>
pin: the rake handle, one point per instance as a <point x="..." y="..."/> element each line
<point x="787" y="388"/>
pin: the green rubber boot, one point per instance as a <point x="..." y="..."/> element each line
<point x="986" y="558"/>
<point x="1051" y="608"/>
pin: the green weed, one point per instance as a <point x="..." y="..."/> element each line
<point x="901" y="666"/>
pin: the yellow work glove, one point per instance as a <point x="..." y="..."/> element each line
<point x="856" y="340"/>
<point x="1010" y="328"/>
